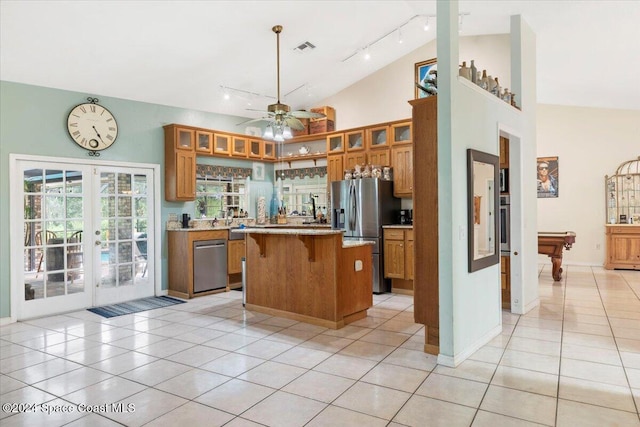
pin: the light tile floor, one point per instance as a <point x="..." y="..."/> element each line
<point x="572" y="361"/>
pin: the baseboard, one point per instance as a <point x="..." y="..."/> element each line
<point x="5" y="321"/>
<point x="533" y="304"/>
<point x="457" y="359"/>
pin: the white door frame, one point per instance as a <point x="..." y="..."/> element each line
<point x="15" y="221"/>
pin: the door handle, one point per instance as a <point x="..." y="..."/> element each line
<point x="98" y="242"/>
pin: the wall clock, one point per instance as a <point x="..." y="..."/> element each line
<point x="92" y="126"/>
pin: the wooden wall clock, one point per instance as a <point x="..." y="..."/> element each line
<point x="92" y="126"/>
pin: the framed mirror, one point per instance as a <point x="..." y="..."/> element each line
<point x="483" y="200"/>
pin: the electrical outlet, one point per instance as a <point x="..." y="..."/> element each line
<point x="358" y="265"/>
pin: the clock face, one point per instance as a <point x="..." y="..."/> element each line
<point x="92" y="126"/>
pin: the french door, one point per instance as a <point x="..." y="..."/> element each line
<point x="88" y="236"/>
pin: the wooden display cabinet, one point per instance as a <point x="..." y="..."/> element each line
<point x="204" y="142"/>
<point x="256" y="150"/>
<point x="402" y="163"/>
<point x="335" y="143"/>
<point x="623" y="247"/>
<point x="221" y="144"/>
<point x="239" y="147"/>
<point x="354" y="140"/>
<point x="377" y="137"/>
<point x="400" y="133"/>
<point x="180" y="164"/>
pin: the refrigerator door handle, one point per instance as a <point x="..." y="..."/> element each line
<point x="353" y="211"/>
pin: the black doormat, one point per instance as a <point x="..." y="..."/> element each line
<point x="134" y="306"/>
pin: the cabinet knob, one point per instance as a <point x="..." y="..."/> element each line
<point x="515" y="253"/>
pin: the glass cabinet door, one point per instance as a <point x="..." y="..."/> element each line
<point x="239" y="147"/>
<point x="184" y="138"/>
<point x="355" y="140"/>
<point x="401" y="133"/>
<point x="255" y="149"/>
<point x="269" y="150"/>
<point x="335" y="143"/>
<point x="378" y="137"/>
<point x="222" y="144"/>
<point x="204" y="142"/>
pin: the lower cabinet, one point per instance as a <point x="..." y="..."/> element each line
<point x="505" y="281"/>
<point x="623" y="247"/>
<point x="235" y="253"/>
<point x="398" y="258"/>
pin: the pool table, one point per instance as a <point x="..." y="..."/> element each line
<point x="552" y="244"/>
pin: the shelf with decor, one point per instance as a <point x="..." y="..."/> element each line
<point x="622" y="192"/>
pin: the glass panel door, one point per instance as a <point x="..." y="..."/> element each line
<point x="124" y="249"/>
<point x="53" y="212"/>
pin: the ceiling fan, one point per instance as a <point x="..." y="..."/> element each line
<point x="280" y="117"/>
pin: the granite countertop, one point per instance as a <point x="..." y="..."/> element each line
<point x="284" y="230"/>
<point x="354" y="243"/>
<point x="398" y="226"/>
<point x="262" y="227"/>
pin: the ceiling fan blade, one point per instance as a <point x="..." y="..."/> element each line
<point x="294" y="123"/>
<point x="255" y="120"/>
<point x="301" y="114"/>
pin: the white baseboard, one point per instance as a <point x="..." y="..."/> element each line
<point x="533" y="304"/>
<point x="5" y="321"/>
<point x="457" y="359"/>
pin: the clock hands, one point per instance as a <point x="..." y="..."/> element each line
<point x="97" y="133"/>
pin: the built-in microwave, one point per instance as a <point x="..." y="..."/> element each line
<point x="505" y="224"/>
<point x="504" y="180"/>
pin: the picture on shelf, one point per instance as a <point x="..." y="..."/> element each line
<point x="547" y="177"/>
<point x="258" y="171"/>
<point x="426" y="78"/>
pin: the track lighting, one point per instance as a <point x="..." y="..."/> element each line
<point x="400" y="40"/>
<point x="365" y="54"/>
<point x="426" y="24"/>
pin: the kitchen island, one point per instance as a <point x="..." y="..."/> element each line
<point x="309" y="275"/>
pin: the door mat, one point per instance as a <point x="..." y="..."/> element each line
<point x="135" y="306"/>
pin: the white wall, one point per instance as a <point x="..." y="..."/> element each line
<point x="590" y="143"/>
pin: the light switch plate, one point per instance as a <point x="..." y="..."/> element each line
<point x="358" y="265"/>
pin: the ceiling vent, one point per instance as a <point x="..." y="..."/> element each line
<point x="305" y="47"/>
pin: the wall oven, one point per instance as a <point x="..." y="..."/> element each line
<point x="505" y="223"/>
<point x="504" y="180"/>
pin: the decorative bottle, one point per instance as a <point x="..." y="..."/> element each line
<point x="496" y="88"/>
<point x="465" y="71"/>
<point x="484" y="82"/>
<point x="474" y="72"/>
<point x="273" y="208"/>
<point x="491" y="83"/>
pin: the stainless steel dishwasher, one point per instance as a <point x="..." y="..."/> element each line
<point x="209" y="265"/>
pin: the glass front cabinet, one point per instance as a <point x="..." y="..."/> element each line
<point x="622" y="192"/>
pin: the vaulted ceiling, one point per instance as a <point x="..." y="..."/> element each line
<point x="185" y="53"/>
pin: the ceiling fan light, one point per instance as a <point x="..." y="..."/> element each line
<point x="286" y="133"/>
<point x="278" y="136"/>
<point x="268" y="133"/>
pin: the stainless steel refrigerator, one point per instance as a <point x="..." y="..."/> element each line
<point x="360" y="207"/>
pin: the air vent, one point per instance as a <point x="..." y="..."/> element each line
<point x="305" y="47"/>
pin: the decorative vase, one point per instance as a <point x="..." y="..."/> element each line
<point x="474" y="72"/>
<point x="262" y="210"/>
<point x="273" y="208"/>
<point x="465" y="71"/>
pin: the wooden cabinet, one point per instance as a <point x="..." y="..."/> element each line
<point x="180" y="260"/>
<point x="400" y="133"/>
<point x="335" y="168"/>
<point x="180" y="164"/>
<point x="353" y="159"/>
<point x="269" y="150"/>
<point x="623" y="247"/>
<point x="256" y="149"/>
<point x="235" y="252"/>
<point x="204" y="142"/>
<point x="335" y="143"/>
<point x="402" y="163"/>
<point x="505" y="281"/>
<point x="355" y="140"/>
<point x="377" y="137"/>
<point x="398" y="258"/>
<point x="504" y="152"/>
<point x="379" y="157"/>
<point x="221" y="143"/>
<point x="425" y="219"/>
<point x="239" y="147"/>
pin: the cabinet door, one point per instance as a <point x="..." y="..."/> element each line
<point x="402" y="162"/>
<point x="625" y="249"/>
<point x="408" y="256"/>
<point x="204" y="142"/>
<point x="221" y="144"/>
<point x="401" y="133"/>
<point x="185" y="175"/>
<point x="355" y="140"/>
<point x="394" y="259"/>
<point x="335" y="143"/>
<point x="184" y="139"/>
<point x="378" y="137"/>
<point x="269" y="152"/>
<point x="235" y="252"/>
<point x="335" y="168"/>
<point x="379" y="157"/>
<point x="239" y="147"/>
<point x="353" y="159"/>
<point x="255" y="149"/>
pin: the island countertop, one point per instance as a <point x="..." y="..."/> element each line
<point x="351" y="243"/>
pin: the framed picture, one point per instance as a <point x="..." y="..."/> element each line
<point x="258" y="171"/>
<point x="548" y="177"/>
<point x="426" y="78"/>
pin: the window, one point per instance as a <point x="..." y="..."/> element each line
<point x="215" y="197"/>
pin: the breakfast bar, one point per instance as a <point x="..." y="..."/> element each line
<point x="309" y="275"/>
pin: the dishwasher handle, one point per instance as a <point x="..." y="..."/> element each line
<point x="217" y="245"/>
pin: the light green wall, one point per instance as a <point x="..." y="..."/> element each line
<point x="33" y="121"/>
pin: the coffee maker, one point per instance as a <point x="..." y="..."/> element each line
<point x="405" y="216"/>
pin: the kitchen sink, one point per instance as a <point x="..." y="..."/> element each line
<point x="235" y="236"/>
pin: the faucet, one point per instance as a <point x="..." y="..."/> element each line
<point x="313" y="206"/>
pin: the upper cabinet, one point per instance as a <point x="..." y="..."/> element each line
<point x="221" y="143"/>
<point x="401" y="133"/>
<point x="183" y="138"/>
<point x="378" y="137"/>
<point x="256" y="150"/>
<point x="335" y="143"/>
<point x="355" y="140"/>
<point x="204" y="142"/>
<point x="179" y="163"/>
<point x="269" y="150"/>
<point x="240" y="147"/>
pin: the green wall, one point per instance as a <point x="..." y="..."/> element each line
<point x="33" y="121"/>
